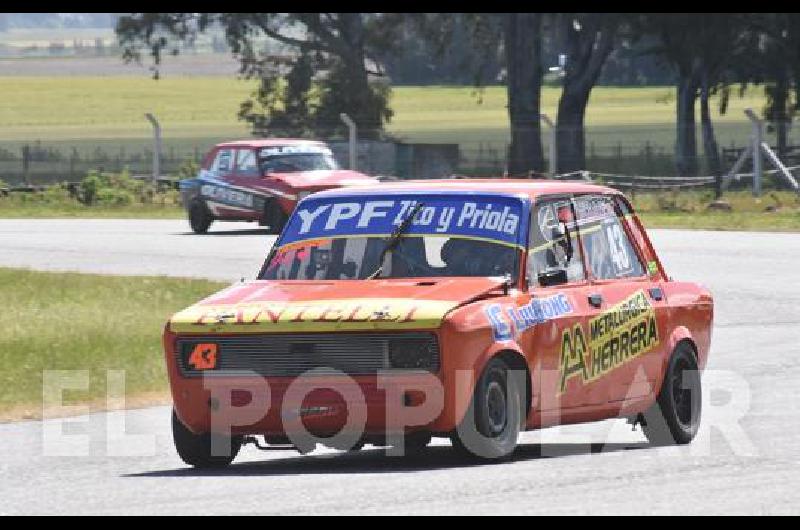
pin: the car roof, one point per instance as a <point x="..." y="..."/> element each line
<point x="268" y="142"/>
<point x="528" y="187"/>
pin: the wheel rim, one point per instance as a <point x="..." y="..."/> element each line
<point x="496" y="412"/>
<point x="682" y="395"/>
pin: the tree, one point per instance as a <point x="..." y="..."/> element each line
<point x="777" y="66"/>
<point x="341" y="43"/>
<point x="708" y="52"/>
<point x="516" y="39"/>
<point x="719" y="46"/>
<point x="588" y="40"/>
<point x="422" y="61"/>
<point x="676" y="33"/>
<point x="284" y="107"/>
<point x="522" y="43"/>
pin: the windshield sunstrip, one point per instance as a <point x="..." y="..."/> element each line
<point x="496" y="218"/>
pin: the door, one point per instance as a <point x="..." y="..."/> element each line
<point x="558" y="341"/>
<point x="229" y="195"/>
<point x="623" y="334"/>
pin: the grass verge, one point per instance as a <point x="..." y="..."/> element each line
<point x="86" y="322"/>
<point x="746" y="221"/>
<point x="77" y="210"/>
<point x="775" y="211"/>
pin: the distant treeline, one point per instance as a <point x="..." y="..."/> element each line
<point x="57" y="20"/>
<point x="312" y="67"/>
<point x="421" y="63"/>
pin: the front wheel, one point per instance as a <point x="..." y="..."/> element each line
<point x="200" y="218"/>
<point x="492" y="424"/>
<point x="202" y="450"/>
<point x="675" y="416"/>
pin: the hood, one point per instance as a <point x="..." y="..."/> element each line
<point x="323" y="178"/>
<point x="270" y="306"/>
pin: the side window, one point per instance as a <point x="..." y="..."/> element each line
<point x="553" y="241"/>
<point x="223" y="163"/>
<point x="609" y="251"/>
<point x="246" y="163"/>
<point x="634" y="230"/>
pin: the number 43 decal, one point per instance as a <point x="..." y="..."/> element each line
<point x="204" y="357"/>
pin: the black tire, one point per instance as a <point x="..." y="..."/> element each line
<point x="195" y="449"/>
<point x="675" y="416"/>
<point x="274" y="217"/>
<point x="200" y="218"/>
<point x="415" y="443"/>
<point x="493" y="421"/>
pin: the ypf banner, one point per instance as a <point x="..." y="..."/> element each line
<point x="496" y="217"/>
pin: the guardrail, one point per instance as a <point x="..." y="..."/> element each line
<point x="647" y="182"/>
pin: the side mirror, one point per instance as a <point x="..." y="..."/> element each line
<point x="552" y="277"/>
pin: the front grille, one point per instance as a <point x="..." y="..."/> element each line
<point x="293" y="354"/>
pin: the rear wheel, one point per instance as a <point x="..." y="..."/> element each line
<point x="675" y="416"/>
<point x="492" y="424"/>
<point x="200" y="218"/>
<point x="198" y="450"/>
<point x="274" y="217"/>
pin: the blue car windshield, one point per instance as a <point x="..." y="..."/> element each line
<point x="451" y="235"/>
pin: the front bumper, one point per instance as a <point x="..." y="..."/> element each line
<point x="321" y="403"/>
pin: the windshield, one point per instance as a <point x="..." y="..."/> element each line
<point x="289" y="159"/>
<point x="343" y="238"/>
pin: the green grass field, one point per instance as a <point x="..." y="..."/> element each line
<point x="65" y="321"/>
<point x="197" y="111"/>
<point x="105" y="114"/>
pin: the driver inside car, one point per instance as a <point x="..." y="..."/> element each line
<point x="465" y="257"/>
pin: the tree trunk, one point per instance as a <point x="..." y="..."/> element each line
<point x="710" y="147"/>
<point x="570" y="133"/>
<point x="359" y="103"/>
<point x="523" y="49"/>
<point x="686" y="144"/>
<point x="588" y="46"/>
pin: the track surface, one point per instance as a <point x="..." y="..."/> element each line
<point x="743" y="462"/>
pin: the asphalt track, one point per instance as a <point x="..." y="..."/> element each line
<point x="745" y="460"/>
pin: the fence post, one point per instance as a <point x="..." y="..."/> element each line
<point x="156" y="147"/>
<point x="758" y="135"/>
<point x="351" y="127"/>
<point x="26" y="158"/>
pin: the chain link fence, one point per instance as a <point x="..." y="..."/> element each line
<point x="636" y="150"/>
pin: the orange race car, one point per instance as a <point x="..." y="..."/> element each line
<point x="468" y="309"/>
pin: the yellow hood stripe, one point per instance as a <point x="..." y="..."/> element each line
<point x="311" y="316"/>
